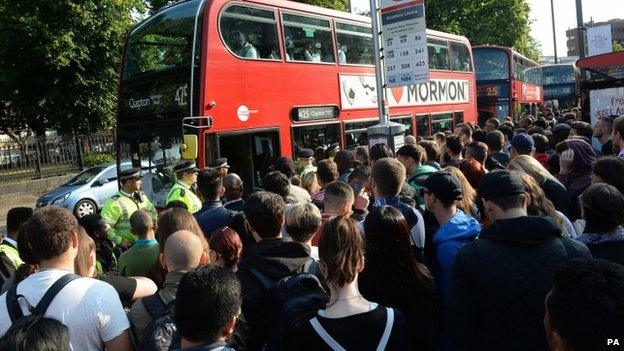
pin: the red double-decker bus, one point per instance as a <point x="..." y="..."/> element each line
<point x="255" y="80"/>
<point x="508" y="84"/>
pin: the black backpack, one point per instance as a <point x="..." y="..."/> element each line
<point x="292" y="300"/>
<point x="12" y="299"/>
<point x="161" y="334"/>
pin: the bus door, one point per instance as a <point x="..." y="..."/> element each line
<point x="250" y="154"/>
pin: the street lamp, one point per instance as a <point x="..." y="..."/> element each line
<point x="552" y="11"/>
<point x="580" y="28"/>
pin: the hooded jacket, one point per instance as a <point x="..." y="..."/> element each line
<point x="276" y="259"/>
<point x="500" y="281"/>
<point x="579" y="178"/>
<point x="421" y="173"/>
<point x="448" y="239"/>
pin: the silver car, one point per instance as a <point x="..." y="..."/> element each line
<point x="86" y="192"/>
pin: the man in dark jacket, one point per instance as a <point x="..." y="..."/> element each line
<point x="500" y="280"/>
<point x="233" y="192"/>
<point x="270" y="259"/>
<point x="212" y="215"/>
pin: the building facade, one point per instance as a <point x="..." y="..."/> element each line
<point x="617" y="34"/>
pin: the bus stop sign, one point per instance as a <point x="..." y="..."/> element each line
<point x="404" y="34"/>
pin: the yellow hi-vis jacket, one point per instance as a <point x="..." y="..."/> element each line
<point x="117" y="211"/>
<point x="12" y="254"/>
<point x="182" y="192"/>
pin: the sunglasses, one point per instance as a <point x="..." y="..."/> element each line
<point x="424" y="191"/>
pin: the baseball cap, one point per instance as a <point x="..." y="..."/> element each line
<point x="499" y="184"/>
<point x="444" y="185"/>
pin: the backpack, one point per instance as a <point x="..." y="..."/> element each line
<point x="292" y="300"/>
<point x="12" y="299"/>
<point x="161" y="334"/>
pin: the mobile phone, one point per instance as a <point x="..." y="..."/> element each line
<point x="356" y="185"/>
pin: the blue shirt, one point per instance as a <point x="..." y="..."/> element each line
<point x="213" y="216"/>
<point x="145" y="242"/>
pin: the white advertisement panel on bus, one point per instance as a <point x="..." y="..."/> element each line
<point x="359" y="91"/>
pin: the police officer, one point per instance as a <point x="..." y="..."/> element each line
<point x="118" y="209"/>
<point x="306" y="161"/>
<point x="186" y="173"/>
<point x="220" y="165"/>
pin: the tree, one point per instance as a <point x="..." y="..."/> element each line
<point x="342" y="5"/>
<point x="59" y="62"/>
<point x="155" y="5"/>
<point x="496" y="22"/>
<point x="617" y="46"/>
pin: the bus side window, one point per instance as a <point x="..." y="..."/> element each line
<point x="307" y="39"/>
<point x="250" y="33"/>
<point x="460" y="57"/>
<point x="314" y="136"/>
<point x="423" y="129"/>
<point x="355" y="44"/>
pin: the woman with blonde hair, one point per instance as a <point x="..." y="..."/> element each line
<point x="541" y="206"/>
<point x="553" y="189"/>
<point x="309" y="182"/>
<point x="469" y="194"/>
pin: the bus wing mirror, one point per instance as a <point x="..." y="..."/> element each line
<point x="189" y="148"/>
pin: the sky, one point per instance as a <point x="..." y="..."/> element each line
<point x="565" y="18"/>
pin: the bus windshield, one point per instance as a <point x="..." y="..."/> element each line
<point x="491" y="64"/>
<point x="558" y="74"/>
<point x="163" y="42"/>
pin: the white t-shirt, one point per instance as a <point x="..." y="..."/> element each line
<point x="89" y="308"/>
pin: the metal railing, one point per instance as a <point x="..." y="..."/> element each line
<point x="49" y="156"/>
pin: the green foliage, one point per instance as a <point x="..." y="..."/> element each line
<point x="96" y="158"/>
<point x="155" y="5"/>
<point x="341" y="5"/>
<point x="59" y="61"/>
<point x="617" y="46"/>
<point x="496" y="22"/>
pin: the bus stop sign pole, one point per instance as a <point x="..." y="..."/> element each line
<point x="382" y="104"/>
<point x="402" y="45"/>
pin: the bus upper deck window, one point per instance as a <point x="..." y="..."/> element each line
<point x="437" y="51"/>
<point x="460" y="57"/>
<point x="355" y="44"/>
<point x="250" y="33"/>
<point x="307" y="39"/>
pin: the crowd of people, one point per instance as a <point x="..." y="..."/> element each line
<point x="506" y="237"/>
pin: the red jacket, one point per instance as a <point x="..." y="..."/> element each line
<point x="542" y="158"/>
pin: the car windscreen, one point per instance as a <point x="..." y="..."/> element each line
<point x="85" y="176"/>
